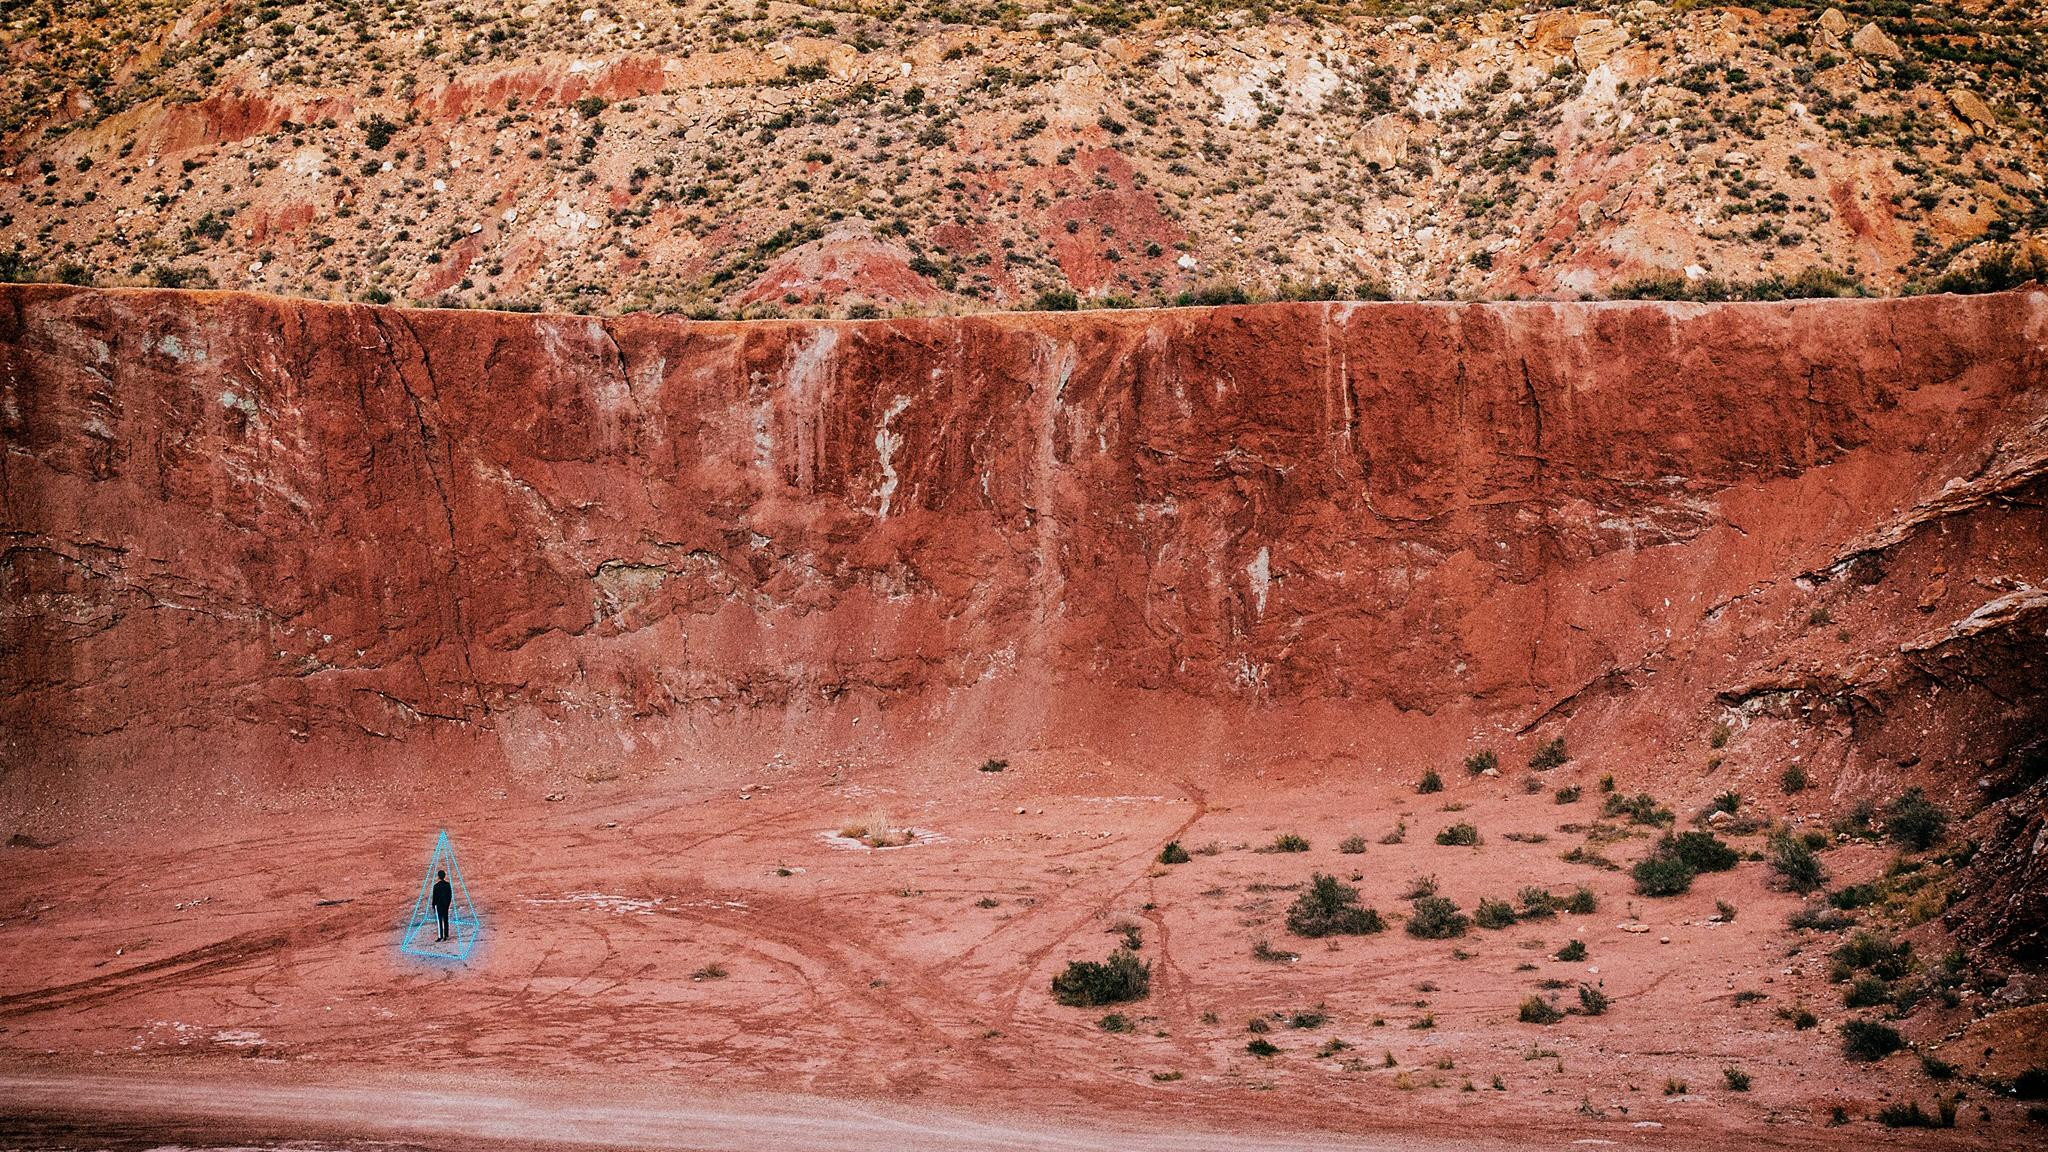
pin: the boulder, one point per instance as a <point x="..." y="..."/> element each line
<point x="1383" y="142"/>
<point x="1971" y="108"/>
<point x="1870" y="40"/>
<point x="1833" y="22"/>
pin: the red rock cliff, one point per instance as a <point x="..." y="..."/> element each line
<point x="263" y="539"/>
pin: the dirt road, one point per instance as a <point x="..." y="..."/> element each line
<point x="59" y="1110"/>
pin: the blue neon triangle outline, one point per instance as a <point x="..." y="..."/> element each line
<point x="463" y="922"/>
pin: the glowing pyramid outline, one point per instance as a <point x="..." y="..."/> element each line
<point x="423" y="927"/>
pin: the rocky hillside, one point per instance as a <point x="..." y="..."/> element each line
<point x="736" y="158"/>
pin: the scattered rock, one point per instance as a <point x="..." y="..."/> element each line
<point x="1972" y="108"/>
<point x="1633" y="926"/>
<point x="1870" y="40"/>
<point x="554" y="797"/>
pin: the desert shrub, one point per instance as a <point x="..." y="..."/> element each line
<point x="1437" y="918"/>
<point x="1537" y="903"/>
<point x="1116" y="1022"/>
<point x="1569" y="794"/>
<point x="2031" y="1084"/>
<point x="1261" y="950"/>
<point x="1914" y="821"/>
<point x="1459" y="836"/>
<point x="1087" y="982"/>
<point x="1867" y="992"/>
<point x="1582" y="902"/>
<point x="1262" y="1048"/>
<point x="1573" y="950"/>
<point x="1736" y="1079"/>
<point x="1537" y="1010"/>
<point x="1351" y="845"/>
<point x="1312" y="1018"/>
<point x="1430" y="782"/>
<point x="1819" y="919"/>
<point x="1704" y="851"/>
<point x="1419" y="887"/>
<point x="1494" y="914"/>
<point x="1796" y="864"/>
<point x="1330" y="908"/>
<point x="1057" y="300"/>
<point x="2001" y="268"/>
<point x="1874" y="953"/>
<point x="1907" y="1115"/>
<point x="1173" y="853"/>
<point x="1288" y="842"/>
<point x="1936" y="1068"/>
<point x="1642" y="808"/>
<point x="1549" y="755"/>
<point x="1868" y="1040"/>
<point x="1800" y="1018"/>
<point x="1481" y="761"/>
<point x="1853" y="897"/>
<point x="1793" y="779"/>
<point x="1662" y="873"/>
<point x="1592" y="1001"/>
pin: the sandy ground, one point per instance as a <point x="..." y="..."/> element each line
<point x="245" y="982"/>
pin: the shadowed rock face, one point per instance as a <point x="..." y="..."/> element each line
<point x="324" y="541"/>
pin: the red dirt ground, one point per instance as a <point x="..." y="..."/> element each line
<point x="643" y="612"/>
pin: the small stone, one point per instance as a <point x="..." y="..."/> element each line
<point x="554" y="797"/>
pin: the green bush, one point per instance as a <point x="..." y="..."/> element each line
<point x="1592" y="1001"/>
<point x="1875" y="953"/>
<point x="1459" y="836"/>
<point x="1330" y="908"/>
<point x="1736" y="1079"/>
<point x="1437" y="918"/>
<point x="2000" y="270"/>
<point x="1494" y="914"/>
<point x="1867" y="1041"/>
<point x="1550" y="755"/>
<point x="1853" y="897"/>
<point x="1704" y="851"/>
<point x="1537" y="903"/>
<point x="1288" y="842"/>
<point x="1867" y="992"/>
<point x="1173" y="853"/>
<point x="1662" y="874"/>
<point x="1573" y="950"/>
<point x="1430" y="782"/>
<point x="1569" y="794"/>
<point x="1796" y="864"/>
<point x="1914" y="821"/>
<point x="1582" y="902"/>
<point x="1537" y="1010"/>
<point x="1086" y="983"/>
<point x="1642" y="808"/>
<point x="1909" y="1115"/>
<point x="1479" y="762"/>
<point x="1351" y="845"/>
<point x="1793" y="779"/>
<point x="1262" y="1048"/>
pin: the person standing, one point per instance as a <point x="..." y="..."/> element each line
<point x="444" y="898"/>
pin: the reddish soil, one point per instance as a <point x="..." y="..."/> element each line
<point x="643" y="611"/>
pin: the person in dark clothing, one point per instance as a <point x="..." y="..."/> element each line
<point x="444" y="897"/>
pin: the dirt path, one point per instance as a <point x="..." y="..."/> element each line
<point x="58" y="1110"/>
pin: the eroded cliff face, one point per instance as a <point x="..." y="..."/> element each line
<point x="278" y="547"/>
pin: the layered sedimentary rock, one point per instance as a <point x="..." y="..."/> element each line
<point x="255" y="539"/>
